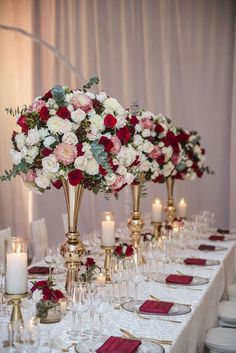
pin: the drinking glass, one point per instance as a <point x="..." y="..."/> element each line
<point x="27" y="336"/>
<point x="50" y="258"/>
<point x="137" y="278"/>
<point x="128" y="266"/>
<point x="102" y="301"/>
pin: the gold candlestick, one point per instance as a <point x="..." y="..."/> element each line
<point x="107" y="261"/>
<point x="156" y="230"/>
<point x="136" y="223"/>
<point x="170" y="208"/>
<point x="15" y="299"/>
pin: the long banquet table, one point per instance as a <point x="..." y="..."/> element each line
<point x="187" y="336"/>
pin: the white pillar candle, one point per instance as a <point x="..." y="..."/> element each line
<point x="182" y="208"/>
<point x="108" y="231"/>
<point x="16" y="272"/>
<point x="156" y="211"/>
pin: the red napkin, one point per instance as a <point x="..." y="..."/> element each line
<point x="119" y="345"/>
<point x="206" y="247"/>
<point x="179" y="279"/>
<point x="223" y="231"/>
<point x="216" y="237"/>
<point x="192" y="261"/>
<point x="155" y="307"/>
<point x="39" y="270"/>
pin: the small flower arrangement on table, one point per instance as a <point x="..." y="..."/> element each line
<point x="123" y="250"/>
<point x="91" y="270"/>
<point x="46" y="298"/>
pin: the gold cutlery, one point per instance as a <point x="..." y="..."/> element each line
<point x="66" y="349"/>
<point x="182" y="287"/>
<point x="183" y="274"/>
<point x="158" y="300"/>
<point x="154" y="340"/>
<point x="156" y="318"/>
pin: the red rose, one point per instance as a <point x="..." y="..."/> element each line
<point x="38" y="285"/>
<point x="118" y="250"/>
<point x="113" y="166"/>
<point x="107" y="143"/>
<point x="102" y="170"/>
<point x="46" y="151"/>
<point x="129" y="251"/>
<point x="160" y="179"/>
<point x="75" y="177"/>
<point x="134" y="120"/>
<point x="110" y="121"/>
<point x="23" y="124"/>
<point x="58" y="294"/>
<point x="97" y="105"/>
<point x="120" y="188"/>
<point x="90" y="262"/>
<point x="159" y="128"/>
<point x="57" y="184"/>
<point x="199" y="173"/>
<point x="176" y="148"/>
<point x="47" y="293"/>
<point x="44" y="113"/>
<point x="203" y="151"/>
<point x="79" y="147"/>
<point x="124" y="135"/>
<point x="47" y="96"/>
<point x="135" y="162"/>
<point x="195" y="167"/>
<point x="63" y="113"/>
<point x="161" y="159"/>
<point x="183" y="136"/>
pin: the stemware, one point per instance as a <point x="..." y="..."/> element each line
<point x="116" y="279"/>
<point x="137" y="278"/>
<point x="27" y="336"/>
<point x="101" y="300"/>
<point x="50" y="258"/>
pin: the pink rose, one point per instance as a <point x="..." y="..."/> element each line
<point x="155" y="153"/>
<point x="118" y="183"/>
<point x="116" y="145"/>
<point x="82" y="101"/>
<point x="147" y="123"/>
<point x="29" y="176"/>
<point x="175" y="159"/>
<point x="36" y="106"/>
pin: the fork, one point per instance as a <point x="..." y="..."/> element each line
<point x="154" y="340"/>
<point x="158" y="300"/>
<point x="156" y="318"/>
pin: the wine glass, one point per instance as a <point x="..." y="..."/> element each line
<point x="137" y="278"/>
<point x="27" y="336"/>
<point x="102" y="302"/>
<point x="50" y="258"/>
<point x="116" y="279"/>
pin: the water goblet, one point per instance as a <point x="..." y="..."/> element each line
<point x="50" y="258"/>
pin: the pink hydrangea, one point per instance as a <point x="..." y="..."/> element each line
<point x="116" y="145"/>
<point x="65" y="153"/>
<point x="155" y="153"/>
<point x="147" y="123"/>
<point x="82" y="101"/>
<point x="36" y="106"/>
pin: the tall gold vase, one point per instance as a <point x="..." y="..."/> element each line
<point x="135" y="222"/>
<point x="73" y="248"/>
<point x="170" y="207"/>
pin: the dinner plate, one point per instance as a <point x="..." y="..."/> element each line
<point x="196" y="281"/>
<point x="93" y="345"/>
<point x="44" y="275"/>
<point x="176" y="309"/>
<point x="217" y="248"/>
<point x="208" y="263"/>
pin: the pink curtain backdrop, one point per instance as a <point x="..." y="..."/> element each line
<point x="172" y="56"/>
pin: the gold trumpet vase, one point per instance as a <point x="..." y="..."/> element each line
<point x="170" y="207"/>
<point x="135" y="222"/>
<point x="73" y="248"/>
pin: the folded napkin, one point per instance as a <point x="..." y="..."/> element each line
<point x="41" y="270"/>
<point x="206" y="247"/>
<point x="119" y="345"/>
<point x="216" y="237"/>
<point x="194" y="261"/>
<point x="179" y="279"/>
<point x="223" y="231"/>
<point x="155" y="307"/>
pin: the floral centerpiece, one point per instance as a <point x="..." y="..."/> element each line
<point x="123" y="250"/>
<point x="90" y="270"/>
<point x="47" y="300"/>
<point x="75" y="135"/>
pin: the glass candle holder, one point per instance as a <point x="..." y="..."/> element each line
<point x="16" y="266"/>
<point x="108" y="229"/>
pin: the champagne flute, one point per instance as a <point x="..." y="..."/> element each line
<point x="50" y="258"/>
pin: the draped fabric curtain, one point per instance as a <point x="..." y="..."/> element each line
<point x="171" y="56"/>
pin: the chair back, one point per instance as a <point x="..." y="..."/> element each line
<point x="5" y="234"/>
<point x="39" y="239"/>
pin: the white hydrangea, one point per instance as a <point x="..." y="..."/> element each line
<point x="43" y="132"/>
<point x="101" y="96"/>
<point x="51" y="104"/>
<point x="66" y="126"/>
<point x="92" y="167"/>
<point x="146" y="133"/>
<point x="42" y="181"/>
<point x="49" y="140"/>
<point x="138" y="140"/>
<point x="80" y="163"/>
<point x="50" y="164"/>
<point x="16" y="156"/>
<point x="33" y="151"/>
<point x="37" y="296"/>
<point x="112" y="104"/>
<point x="148" y="147"/>
<point x="97" y="123"/>
<point x="33" y="137"/>
<point x="87" y="150"/>
<point x="127" y="155"/>
<point x="20" y="140"/>
<point x="144" y="166"/>
<point x="90" y="95"/>
<point x="78" y="115"/>
<point x="54" y="124"/>
<point x="70" y="138"/>
<point x="121" y="121"/>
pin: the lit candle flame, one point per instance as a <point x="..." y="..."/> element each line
<point x="108" y="217"/>
<point x="157" y="201"/>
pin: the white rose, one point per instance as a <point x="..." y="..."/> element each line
<point x="37" y="296"/>
<point x="112" y="103"/>
<point x="127" y="155"/>
<point x="70" y="108"/>
<point x="168" y="168"/>
<point x="78" y="115"/>
<point x="161" y="144"/>
<point x="32" y="152"/>
<point x="148" y="147"/>
<point x="189" y="163"/>
<point x="50" y="164"/>
<point x="70" y="138"/>
<point x="146" y="114"/>
<point x="110" y="179"/>
<point x="138" y="140"/>
<point x="51" y="104"/>
<point x="43" y="132"/>
<point x="101" y="97"/>
<point x="29" y="159"/>
<point x="144" y="167"/>
<point x="193" y="176"/>
<point x="128" y="178"/>
<point x="121" y="170"/>
<point x="52" y="111"/>
<point x="146" y="133"/>
<point x="168" y="152"/>
<point x="20" y="140"/>
<point x="54" y="124"/>
<point x="80" y="163"/>
<point x="16" y="156"/>
<point x="97" y="122"/>
<point x="197" y="149"/>
<point x="90" y="95"/>
<point x="121" y="121"/>
<point x="33" y="137"/>
<point x="42" y="181"/>
<point x="49" y="140"/>
<point x="66" y="126"/>
<point x="92" y="167"/>
<point x="138" y="128"/>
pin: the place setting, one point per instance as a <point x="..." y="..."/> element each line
<point x="195" y="262"/>
<point x="180" y="279"/>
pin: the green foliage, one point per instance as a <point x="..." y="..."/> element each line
<point x="59" y="95"/>
<point x="22" y="167"/>
<point x="93" y="81"/>
<point x="100" y="154"/>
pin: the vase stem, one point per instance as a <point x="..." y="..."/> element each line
<point x="170" y="208"/>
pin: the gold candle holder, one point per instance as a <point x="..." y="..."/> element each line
<point x="170" y="208"/>
<point x="135" y="222"/>
<point x="156" y="230"/>
<point x="107" y="261"/>
<point x="15" y="299"/>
